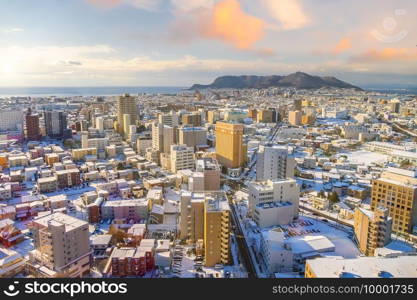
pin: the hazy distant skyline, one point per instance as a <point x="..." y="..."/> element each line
<point x="181" y="42"/>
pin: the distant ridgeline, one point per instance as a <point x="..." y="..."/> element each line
<point x="297" y="80"/>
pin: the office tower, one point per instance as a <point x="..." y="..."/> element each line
<point x="230" y="151"/>
<point x="193" y="136"/>
<point x="33" y="131"/>
<point x="169" y="119"/>
<point x="182" y="158"/>
<point x="396" y="190"/>
<point x="372" y="229"/>
<point x="294" y="117"/>
<point x="283" y="190"/>
<point x="216" y="230"/>
<point x="274" y="162"/>
<point x="193" y="119"/>
<point x="297" y="104"/>
<point x="126" y="104"/>
<point x="62" y="246"/>
<point x="55" y="123"/>
<point x="192" y="216"/>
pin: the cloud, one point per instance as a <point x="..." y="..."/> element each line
<point x="139" y="4"/>
<point x="289" y="13"/>
<point x="387" y="55"/>
<point x="232" y="25"/>
<point x="343" y="45"/>
<point x="12" y="30"/>
<point x="186" y="6"/>
<point x="69" y="63"/>
<point x="225" y="21"/>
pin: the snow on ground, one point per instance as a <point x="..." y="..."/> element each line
<point x="366" y="157"/>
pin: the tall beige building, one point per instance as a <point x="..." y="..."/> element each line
<point x="126" y="104"/>
<point x="162" y="138"/>
<point x="230" y="150"/>
<point x="396" y="190"/>
<point x="295" y="117"/>
<point x="192" y="216"/>
<point x="216" y="230"/>
<point x="372" y="229"/>
<point x="127" y="121"/>
<point x="62" y="247"/>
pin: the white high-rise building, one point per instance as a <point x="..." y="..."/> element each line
<point x="270" y="191"/>
<point x="11" y="120"/>
<point x="274" y="162"/>
<point x="182" y="158"/>
<point x="169" y="119"/>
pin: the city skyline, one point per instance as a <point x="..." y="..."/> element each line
<point x="179" y="43"/>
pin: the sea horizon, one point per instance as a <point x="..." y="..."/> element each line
<point x="91" y="91"/>
<point x="86" y="91"/>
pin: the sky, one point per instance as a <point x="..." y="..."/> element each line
<point x="182" y="42"/>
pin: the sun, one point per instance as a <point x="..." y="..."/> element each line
<point x="7" y="69"/>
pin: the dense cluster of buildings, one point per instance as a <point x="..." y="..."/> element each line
<point x="133" y="185"/>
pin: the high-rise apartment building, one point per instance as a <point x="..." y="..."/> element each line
<point x="162" y="138"/>
<point x="182" y="158"/>
<point x="396" y="190"/>
<point x="193" y="119"/>
<point x="274" y="162"/>
<point x="126" y="104"/>
<point x="62" y="246"/>
<point x="230" y="151"/>
<point x="169" y="119"/>
<point x="11" y="119"/>
<point x="55" y="123"/>
<point x="33" y="131"/>
<point x="193" y="136"/>
<point x="372" y="229"/>
<point x="216" y="230"/>
<point x="192" y="216"/>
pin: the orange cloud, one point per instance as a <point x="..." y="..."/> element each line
<point x="343" y="45"/>
<point x="387" y="54"/>
<point x="229" y="23"/>
<point x="290" y="13"/>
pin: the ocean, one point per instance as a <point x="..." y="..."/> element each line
<point x="113" y="90"/>
<point x="85" y="91"/>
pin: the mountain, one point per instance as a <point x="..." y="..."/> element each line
<point x="297" y="80"/>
